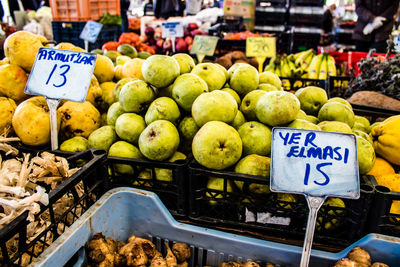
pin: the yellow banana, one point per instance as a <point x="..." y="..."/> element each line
<point x="292" y="68"/>
<point x="278" y="70"/>
<point x="331" y="66"/>
<point x="307" y="60"/>
<point x="270" y="67"/>
<point x="302" y="57"/>
<point x="285" y="67"/>
<point x="313" y="68"/>
<point x="323" y="69"/>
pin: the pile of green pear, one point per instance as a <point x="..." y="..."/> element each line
<point x="223" y="117"/>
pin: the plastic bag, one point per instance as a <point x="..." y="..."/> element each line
<point x="34" y="27"/>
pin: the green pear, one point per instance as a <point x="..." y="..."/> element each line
<point x="335" y="111"/>
<point x="254" y="165"/>
<point x="217" y="184"/>
<point x="312" y="119"/>
<point x="223" y="70"/>
<point x="185" y="61"/>
<point x="301" y="115"/>
<point x="142" y="178"/>
<point x="102" y="138"/>
<point x="159" y="140"/>
<point x="256" y="138"/>
<point x="239" y="120"/>
<point x="360" y="119"/>
<point x="75" y="144"/>
<point x="125" y="150"/>
<point x="136" y="96"/>
<point x="166" y="174"/>
<point x="366" y="155"/>
<point x="163" y="108"/>
<point x="211" y="74"/>
<point x="114" y="111"/>
<point x="119" y="85"/>
<point x="270" y="78"/>
<point x="234" y="67"/>
<point x="335" y="126"/>
<point x="214" y="106"/>
<point x="249" y="102"/>
<point x="232" y="93"/>
<point x="188" y="128"/>
<point x="217" y="145"/>
<point x="268" y="87"/>
<point x="359" y="126"/>
<point x="277" y="108"/>
<point x="340" y="100"/>
<point x="303" y="124"/>
<point x="129" y="126"/>
<point x="160" y="70"/>
<point x="311" y="99"/>
<point x="244" y="79"/>
<point x="187" y="88"/>
<point x="364" y="135"/>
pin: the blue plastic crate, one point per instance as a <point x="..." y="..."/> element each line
<point x="69" y="31"/>
<point x="122" y="212"/>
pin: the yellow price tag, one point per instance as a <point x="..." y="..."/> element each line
<point x="261" y="47"/>
<point x="204" y="45"/>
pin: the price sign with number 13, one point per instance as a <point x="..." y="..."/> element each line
<point x="60" y="75"/>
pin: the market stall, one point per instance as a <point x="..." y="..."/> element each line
<point x="196" y="141"/>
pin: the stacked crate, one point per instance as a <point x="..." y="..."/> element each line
<point x="305" y="20"/>
<point x="70" y="16"/>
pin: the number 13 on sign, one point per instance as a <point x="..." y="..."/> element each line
<point x="60" y="75"/>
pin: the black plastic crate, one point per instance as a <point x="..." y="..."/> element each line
<point x="302" y="41"/>
<point x="65" y="31"/>
<point x="272" y="214"/>
<point x="337" y="87"/>
<point x="271" y="15"/>
<point x="272" y="3"/>
<point x="293" y="84"/>
<point x="306" y="15"/>
<point x="91" y="178"/>
<point x="318" y="3"/>
<point x="380" y="219"/>
<point x="172" y="193"/>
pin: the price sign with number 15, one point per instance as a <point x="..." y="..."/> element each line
<point x="317" y="164"/>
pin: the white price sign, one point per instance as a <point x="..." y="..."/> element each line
<point x="316" y="163"/>
<point x="91" y="31"/>
<point x="61" y="74"/>
<point x="171" y="29"/>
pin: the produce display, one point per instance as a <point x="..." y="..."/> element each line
<point x="25" y="181"/>
<point x="165" y="108"/>
<point x="106" y="251"/>
<point x="305" y="64"/>
<point x="358" y="257"/>
<point x="377" y="84"/>
<point x="138" y="251"/>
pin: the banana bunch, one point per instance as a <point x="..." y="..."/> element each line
<point x="321" y="66"/>
<point x="305" y="64"/>
<point x="291" y="66"/>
